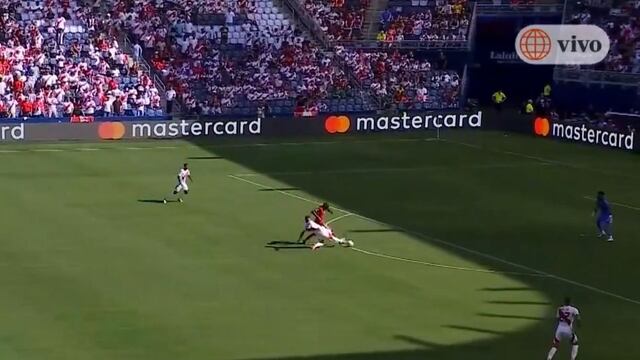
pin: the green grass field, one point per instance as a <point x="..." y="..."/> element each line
<point x="463" y="249"/>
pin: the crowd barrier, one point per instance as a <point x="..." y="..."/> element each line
<point x="330" y="125"/>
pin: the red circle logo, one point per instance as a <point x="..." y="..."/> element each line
<point x="337" y="124"/>
<point x="535" y="44"/>
<point x="541" y="126"/>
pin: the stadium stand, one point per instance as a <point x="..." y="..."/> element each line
<point x="440" y="21"/>
<point x="339" y="19"/>
<point x="403" y="80"/>
<point x="621" y="21"/>
<point x="236" y="68"/>
<point x="58" y="58"/>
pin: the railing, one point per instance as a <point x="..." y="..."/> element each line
<point x="538" y="9"/>
<point x="453" y="45"/>
<point x="568" y="74"/>
<point x="303" y="16"/>
<point x="472" y="27"/>
<point x="464" y="86"/>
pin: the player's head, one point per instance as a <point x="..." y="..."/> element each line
<point x="307" y="219"/>
<point x="325" y="206"/>
<point x="600" y="194"/>
<point x="185" y="166"/>
<point x="567" y="300"/>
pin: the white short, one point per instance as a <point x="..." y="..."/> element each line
<point x="182" y="186"/>
<point x="565" y="333"/>
<point x="324" y="232"/>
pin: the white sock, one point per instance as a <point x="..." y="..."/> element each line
<point x="338" y="240"/>
<point x="552" y="353"/>
<point x="574" y="352"/>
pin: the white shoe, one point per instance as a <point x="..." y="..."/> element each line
<point x="351" y="243"/>
<point x="317" y="246"/>
<point x="180" y="199"/>
<point x="610" y="239"/>
<point x="164" y="201"/>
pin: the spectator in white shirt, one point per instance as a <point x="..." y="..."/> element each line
<point x="170" y="95"/>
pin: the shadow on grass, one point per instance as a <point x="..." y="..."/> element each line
<point x="507" y="302"/>
<point x="286" y="245"/>
<point x="154" y="201"/>
<point x="516" y="317"/>
<point x="364" y="231"/>
<point x="369" y="199"/>
<point x="279" y="189"/>
<point x="205" y="158"/>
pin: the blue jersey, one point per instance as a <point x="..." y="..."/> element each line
<point x="603" y="207"/>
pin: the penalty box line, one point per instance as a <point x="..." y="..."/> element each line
<point x="451" y="245"/>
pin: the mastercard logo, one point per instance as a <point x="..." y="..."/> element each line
<point x="111" y="130"/>
<point x="337" y="124"/>
<point x="541" y="126"/>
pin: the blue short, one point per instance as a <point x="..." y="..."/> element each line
<point x="605" y="219"/>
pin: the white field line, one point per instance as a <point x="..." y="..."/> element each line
<point x="338" y="218"/>
<point x="48" y="150"/>
<point x="615" y="203"/>
<point x="248" y="145"/>
<point x="442" y="266"/>
<point x="455" y="246"/>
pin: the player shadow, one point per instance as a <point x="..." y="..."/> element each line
<point x="415" y="341"/>
<point x="286" y="245"/>
<point x="374" y="230"/>
<point x="515" y="317"/>
<point x="507" y="302"/>
<point x="154" y="201"/>
<point x="205" y="158"/>
<point x="280" y="189"/>
<point x="475" y="329"/>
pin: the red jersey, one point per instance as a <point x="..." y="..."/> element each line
<point x="318" y="214"/>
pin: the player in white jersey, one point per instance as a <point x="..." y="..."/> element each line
<point x="323" y="232"/>
<point x="567" y="317"/>
<point x="184" y="176"/>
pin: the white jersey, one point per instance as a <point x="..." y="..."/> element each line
<point x="567" y="315"/>
<point x="183" y="175"/>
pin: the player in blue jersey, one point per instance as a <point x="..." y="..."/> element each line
<point x="604" y="216"/>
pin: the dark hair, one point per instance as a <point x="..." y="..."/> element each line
<point x="600" y="193"/>
<point x="185" y="165"/>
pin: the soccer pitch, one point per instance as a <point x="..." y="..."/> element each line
<point x="464" y="246"/>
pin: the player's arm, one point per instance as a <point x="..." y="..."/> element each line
<point x="190" y="179"/>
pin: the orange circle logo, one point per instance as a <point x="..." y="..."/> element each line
<point x="111" y="130"/>
<point x="535" y="44"/>
<point x="541" y="126"/>
<point x="337" y="124"/>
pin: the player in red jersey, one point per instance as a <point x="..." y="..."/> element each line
<point x="318" y="218"/>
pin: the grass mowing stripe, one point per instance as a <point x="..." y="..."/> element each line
<point x="614" y="203"/>
<point x="452" y="245"/>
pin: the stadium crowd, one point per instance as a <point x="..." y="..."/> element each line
<point x="212" y="75"/>
<point x="58" y="58"/>
<point x="339" y="19"/>
<point x="622" y="24"/>
<point x="448" y="20"/>
<point x="401" y="79"/>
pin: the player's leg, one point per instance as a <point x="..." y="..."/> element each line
<point x="185" y="191"/>
<point x="176" y="191"/>
<point x="608" y="225"/>
<point x="304" y="241"/>
<point x="553" y="350"/>
<point x="600" y="225"/>
<point x="574" y="347"/>
<point x="304" y="231"/>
